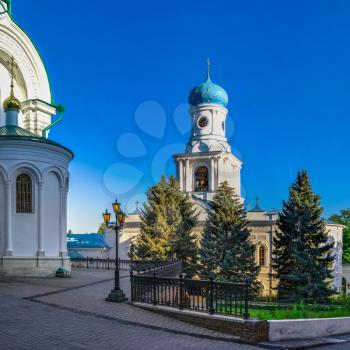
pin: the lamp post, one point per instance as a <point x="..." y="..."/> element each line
<point x="116" y="295"/>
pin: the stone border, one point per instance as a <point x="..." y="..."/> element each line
<point x="252" y="331"/>
<point x="307" y="328"/>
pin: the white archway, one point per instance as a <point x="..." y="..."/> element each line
<point x="32" y="84"/>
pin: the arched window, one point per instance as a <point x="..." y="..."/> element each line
<point x="24" y="194"/>
<point x="201" y="179"/>
<point x="262" y="255"/>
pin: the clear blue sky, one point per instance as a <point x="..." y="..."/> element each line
<point x="124" y="70"/>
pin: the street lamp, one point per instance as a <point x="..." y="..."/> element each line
<point x="116" y="295"/>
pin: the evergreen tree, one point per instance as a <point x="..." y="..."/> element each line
<point x="167" y="221"/>
<point x="344" y="219"/>
<point x="226" y="250"/>
<point x="102" y="228"/>
<point x="303" y="252"/>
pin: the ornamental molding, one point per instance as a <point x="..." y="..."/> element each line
<point x="14" y="42"/>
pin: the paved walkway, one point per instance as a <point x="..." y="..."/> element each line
<point x="72" y="314"/>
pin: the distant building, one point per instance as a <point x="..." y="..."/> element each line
<point x="84" y="245"/>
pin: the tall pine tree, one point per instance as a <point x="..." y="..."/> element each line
<point x="167" y="222"/>
<point x="303" y="251"/>
<point x="226" y="250"/>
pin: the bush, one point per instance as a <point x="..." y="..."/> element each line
<point x="340" y="299"/>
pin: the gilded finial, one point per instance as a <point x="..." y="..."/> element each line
<point x="12" y="102"/>
<point x="208" y="68"/>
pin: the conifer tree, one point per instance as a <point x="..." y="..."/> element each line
<point x="167" y="221"/>
<point x="226" y="250"/>
<point x="303" y="252"/>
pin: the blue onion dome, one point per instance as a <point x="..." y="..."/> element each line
<point x="208" y="93"/>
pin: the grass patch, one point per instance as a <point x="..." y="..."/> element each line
<point x="275" y="312"/>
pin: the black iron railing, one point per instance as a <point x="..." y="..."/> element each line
<point x="163" y="268"/>
<point x="199" y="295"/>
<point x="98" y="263"/>
<point x="142" y="267"/>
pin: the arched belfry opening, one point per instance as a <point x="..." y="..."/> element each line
<point x="201" y="179"/>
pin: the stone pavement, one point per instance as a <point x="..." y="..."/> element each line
<point x="72" y="314"/>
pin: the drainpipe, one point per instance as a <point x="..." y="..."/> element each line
<point x="60" y="109"/>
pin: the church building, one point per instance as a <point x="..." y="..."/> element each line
<point x="34" y="176"/>
<point x="206" y="163"/>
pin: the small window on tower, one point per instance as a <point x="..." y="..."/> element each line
<point x="24" y="194"/>
<point x="262" y="256"/>
<point x="201" y="179"/>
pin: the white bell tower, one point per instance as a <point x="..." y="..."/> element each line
<point x="208" y="160"/>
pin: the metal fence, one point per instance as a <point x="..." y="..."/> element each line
<point x="142" y="267"/>
<point x="163" y="268"/>
<point x="199" y="295"/>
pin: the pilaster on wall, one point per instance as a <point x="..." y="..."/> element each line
<point x="9" y="248"/>
<point x="63" y="223"/>
<point x="40" y="251"/>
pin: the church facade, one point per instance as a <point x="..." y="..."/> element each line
<point x="206" y="163"/>
<point x="34" y="176"/>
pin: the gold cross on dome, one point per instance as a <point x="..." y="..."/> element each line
<point x="13" y="66"/>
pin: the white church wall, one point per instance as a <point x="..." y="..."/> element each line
<point x="40" y="236"/>
<point x="52" y="214"/>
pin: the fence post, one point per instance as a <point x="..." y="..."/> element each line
<point x="154" y="288"/>
<point x="87" y="262"/>
<point x="132" y="284"/>
<point x="211" y="295"/>
<point x="97" y="261"/>
<point x="107" y="263"/>
<point x="246" y="285"/>
<point x="181" y="291"/>
<point x="118" y="264"/>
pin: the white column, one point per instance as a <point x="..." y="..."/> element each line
<point x="218" y="174"/>
<point x="63" y="222"/>
<point x="40" y="251"/>
<point x="212" y="174"/>
<point x="9" y="248"/>
<point x="181" y="175"/>
<point x="188" y="176"/>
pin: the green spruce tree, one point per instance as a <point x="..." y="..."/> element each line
<point x="226" y="251"/>
<point x="302" y="253"/>
<point x="167" y="222"/>
<point x="102" y="228"/>
<point x="343" y="218"/>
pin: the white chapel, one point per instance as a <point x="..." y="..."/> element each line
<point x="34" y="176"/>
